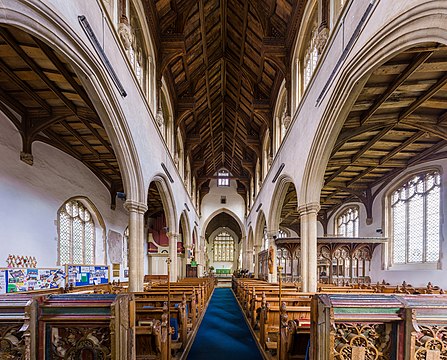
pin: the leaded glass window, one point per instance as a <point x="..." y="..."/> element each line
<point x="415" y="214"/>
<point x="348" y="222"/>
<point x="76" y="234"/>
<point x="224" y="247"/>
<point x="223" y="178"/>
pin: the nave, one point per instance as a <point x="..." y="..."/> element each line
<point x="223" y="333"/>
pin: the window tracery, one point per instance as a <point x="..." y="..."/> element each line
<point x="76" y="234"/>
<point x="415" y="216"/>
<point x="223" y="247"/>
<point x="348" y="222"/>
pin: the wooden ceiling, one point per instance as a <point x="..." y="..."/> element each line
<point x="42" y="96"/>
<point x="398" y="120"/>
<point x="224" y="61"/>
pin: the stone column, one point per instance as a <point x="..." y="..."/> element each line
<point x="249" y="257"/>
<point x="201" y="257"/>
<point x="173" y="255"/>
<point x="243" y="245"/>
<point x="308" y="216"/>
<point x="256" y="249"/>
<point x="136" y="240"/>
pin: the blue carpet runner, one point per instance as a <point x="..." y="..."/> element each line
<point x="223" y="333"/>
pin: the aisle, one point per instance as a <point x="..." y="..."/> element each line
<point x="223" y="334"/>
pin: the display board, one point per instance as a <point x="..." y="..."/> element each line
<point x="82" y="275"/>
<point x="3" y="281"/>
<point x="28" y="279"/>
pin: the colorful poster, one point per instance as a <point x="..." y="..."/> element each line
<point x="3" y="281"/>
<point x="34" y="279"/>
<point x="87" y="275"/>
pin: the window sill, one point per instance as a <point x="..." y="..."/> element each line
<point x="416" y="266"/>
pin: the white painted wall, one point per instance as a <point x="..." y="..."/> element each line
<point x="211" y="201"/>
<point x="31" y="196"/>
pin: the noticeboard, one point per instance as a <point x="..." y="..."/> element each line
<point x="82" y="275"/>
<point x="28" y="279"/>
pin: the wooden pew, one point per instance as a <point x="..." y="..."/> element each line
<point x="79" y="325"/>
<point x="18" y="324"/>
<point x="270" y="318"/>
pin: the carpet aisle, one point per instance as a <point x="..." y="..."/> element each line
<point x="223" y="333"/>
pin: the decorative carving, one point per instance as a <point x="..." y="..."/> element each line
<point x="125" y="33"/>
<point x="322" y="37"/>
<point x="286" y="120"/>
<point x="12" y="343"/>
<point x="80" y="343"/>
<point x="362" y="341"/>
<point x="159" y="118"/>
<point x="21" y="261"/>
<point x="27" y="158"/>
<point x="431" y="343"/>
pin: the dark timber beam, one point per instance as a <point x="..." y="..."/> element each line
<point x="409" y="70"/>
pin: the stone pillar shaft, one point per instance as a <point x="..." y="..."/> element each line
<point x="136" y="240"/>
<point x="173" y="255"/>
<point x="308" y="215"/>
<point x="256" y="269"/>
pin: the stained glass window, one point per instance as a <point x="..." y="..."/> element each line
<point x="76" y="234"/>
<point x="348" y="222"/>
<point x="224" y="247"/>
<point x="415" y="215"/>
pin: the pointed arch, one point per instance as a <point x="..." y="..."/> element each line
<point x="167" y="200"/>
<point x="227" y="211"/>
<point x="186" y="230"/>
<point x="278" y="197"/>
<point x="421" y="24"/>
<point x="33" y="18"/>
<point x="261" y="223"/>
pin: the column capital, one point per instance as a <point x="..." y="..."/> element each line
<point x="135" y="206"/>
<point x="309" y="208"/>
<point x="172" y="235"/>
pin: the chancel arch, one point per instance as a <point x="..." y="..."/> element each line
<point x="223" y="233"/>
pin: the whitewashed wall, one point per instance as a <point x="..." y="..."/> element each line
<point x="30" y="197"/>
<point x="211" y="202"/>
